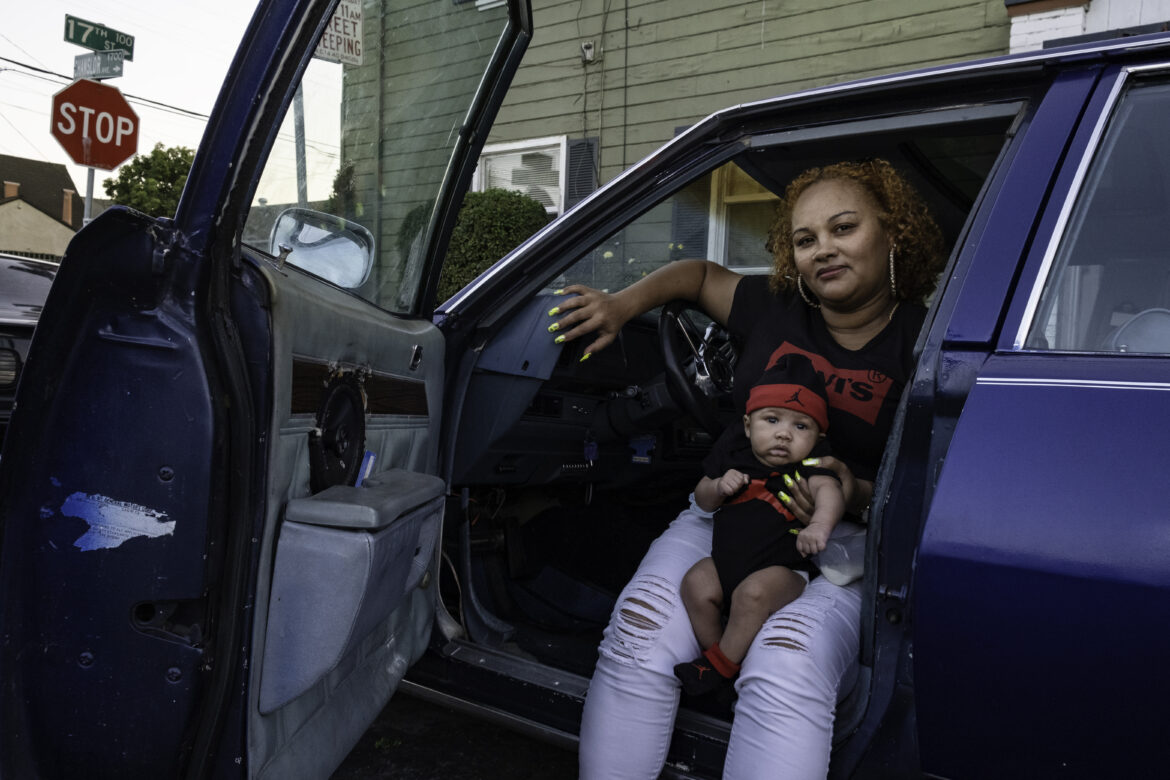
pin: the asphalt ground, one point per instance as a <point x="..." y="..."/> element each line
<point x="417" y="740"/>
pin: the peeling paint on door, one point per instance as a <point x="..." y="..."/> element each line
<point x="112" y="522"/>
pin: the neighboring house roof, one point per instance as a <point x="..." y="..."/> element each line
<point x="42" y="186"/>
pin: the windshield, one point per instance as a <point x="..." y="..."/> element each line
<point x="369" y="137"/>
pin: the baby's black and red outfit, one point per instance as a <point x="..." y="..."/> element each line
<point x="752" y="529"/>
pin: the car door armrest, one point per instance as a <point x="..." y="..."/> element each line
<point x="376" y="504"/>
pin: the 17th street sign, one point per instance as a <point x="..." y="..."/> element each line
<point x="94" y="124"/>
<point x="97" y="36"/>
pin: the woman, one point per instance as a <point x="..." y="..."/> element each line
<point x="855" y="253"/>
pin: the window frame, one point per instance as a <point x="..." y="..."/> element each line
<point x="1028" y="321"/>
<point x="560" y="142"/>
<point x="718" y="222"/>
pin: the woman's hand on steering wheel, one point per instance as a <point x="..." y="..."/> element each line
<point x="857" y="492"/>
<point x="585" y="310"/>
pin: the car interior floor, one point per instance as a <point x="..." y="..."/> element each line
<point x="552" y="566"/>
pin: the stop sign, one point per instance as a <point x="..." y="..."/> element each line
<point x="95" y="124"/>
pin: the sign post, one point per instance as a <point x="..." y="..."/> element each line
<point x="96" y="127"/>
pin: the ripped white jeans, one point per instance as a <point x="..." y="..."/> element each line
<point x="788" y="686"/>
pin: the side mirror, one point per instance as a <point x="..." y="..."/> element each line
<point x="333" y="248"/>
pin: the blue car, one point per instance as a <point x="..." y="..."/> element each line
<point x="259" y="479"/>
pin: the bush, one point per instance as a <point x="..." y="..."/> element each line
<point x="491" y="223"/>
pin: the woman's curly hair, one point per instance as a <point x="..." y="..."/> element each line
<point x="918" y="252"/>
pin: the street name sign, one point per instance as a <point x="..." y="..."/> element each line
<point x="97" y="37"/>
<point x="98" y="65"/>
<point x="94" y="124"/>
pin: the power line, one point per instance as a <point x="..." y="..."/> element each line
<point x="326" y="150"/>
<point x="16" y="130"/>
<point x="16" y="45"/>
<point x="138" y="98"/>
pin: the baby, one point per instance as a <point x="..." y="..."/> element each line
<point x="758" y="545"/>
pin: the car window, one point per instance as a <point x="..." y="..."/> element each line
<point x="725" y="214"/>
<point x="672" y="229"/>
<point x="368" y="140"/>
<point x="1109" y="285"/>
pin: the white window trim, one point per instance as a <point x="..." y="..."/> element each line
<point x="559" y="141"/>
<point x="718" y="220"/>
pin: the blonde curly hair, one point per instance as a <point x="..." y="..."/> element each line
<point x="918" y="254"/>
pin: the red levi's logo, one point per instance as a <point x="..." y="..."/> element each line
<point x="860" y="392"/>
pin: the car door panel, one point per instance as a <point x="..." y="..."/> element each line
<point x="335" y="612"/>
<point x="358" y="539"/>
<point x="1042" y="575"/>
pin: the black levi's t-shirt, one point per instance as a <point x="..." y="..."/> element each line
<point x="863" y="386"/>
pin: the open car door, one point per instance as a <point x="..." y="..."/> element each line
<point x="221" y="492"/>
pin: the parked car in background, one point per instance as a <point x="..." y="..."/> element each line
<point x="272" y="475"/>
<point x="24" y="285"/>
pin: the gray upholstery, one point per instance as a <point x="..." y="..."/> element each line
<point x="310" y="735"/>
<point x="378" y="502"/>
<point x="345" y="559"/>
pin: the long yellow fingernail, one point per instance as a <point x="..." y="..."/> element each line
<point x="794" y="531"/>
<point x="585" y="357"/>
<point x="787" y="499"/>
<point x="798" y="477"/>
<point x="559" y="340"/>
<point x="811" y="462"/>
<point x="554" y="327"/>
<point x="558" y="292"/>
<point x="788" y="481"/>
<point x="554" y="311"/>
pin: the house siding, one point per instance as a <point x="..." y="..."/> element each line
<point x="26" y="230"/>
<point x="665" y="64"/>
<point x="434" y="56"/>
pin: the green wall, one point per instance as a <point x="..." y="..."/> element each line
<point x="662" y="64"/>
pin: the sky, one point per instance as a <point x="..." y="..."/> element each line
<point x="181" y="52"/>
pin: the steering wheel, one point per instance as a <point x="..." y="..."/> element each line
<point x="700" y="364"/>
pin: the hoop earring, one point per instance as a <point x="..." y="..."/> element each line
<point x="803" y="294"/>
<point x="893" y="281"/>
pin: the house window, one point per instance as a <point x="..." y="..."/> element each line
<point x="535" y="168"/>
<point x="741" y="214"/>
